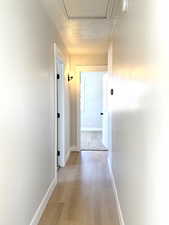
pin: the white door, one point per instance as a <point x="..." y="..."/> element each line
<point x="60" y="114"/>
<point x="105" y="111"/>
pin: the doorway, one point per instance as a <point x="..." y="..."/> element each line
<point x="91" y="111"/>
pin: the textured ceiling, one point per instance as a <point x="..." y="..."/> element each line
<point x="84" y="25"/>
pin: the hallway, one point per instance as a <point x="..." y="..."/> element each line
<point x="84" y="194"/>
<point x="50" y="51"/>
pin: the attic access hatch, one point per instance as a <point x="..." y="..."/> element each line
<point x="95" y="9"/>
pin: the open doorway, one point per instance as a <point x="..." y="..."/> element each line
<point x="91" y="111"/>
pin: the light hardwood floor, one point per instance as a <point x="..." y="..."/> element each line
<point x="84" y="194"/>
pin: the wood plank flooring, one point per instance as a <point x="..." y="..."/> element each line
<point x="84" y="194"/>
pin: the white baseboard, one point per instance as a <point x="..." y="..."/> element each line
<point x="74" y="149"/>
<point x="120" y="214"/>
<point x="43" y="203"/>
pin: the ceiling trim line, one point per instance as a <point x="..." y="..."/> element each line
<point x="86" y="18"/>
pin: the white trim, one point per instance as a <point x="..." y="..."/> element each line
<point x="74" y="149"/>
<point x="64" y="161"/>
<point x="60" y="60"/>
<point x="61" y="109"/>
<point x="67" y="156"/>
<point x="80" y="69"/>
<point x="59" y="53"/>
<point x="43" y="204"/>
<point x="56" y="50"/>
<point x="91" y="129"/>
<point x="120" y="214"/>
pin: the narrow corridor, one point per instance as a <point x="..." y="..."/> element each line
<point x="84" y="194"/>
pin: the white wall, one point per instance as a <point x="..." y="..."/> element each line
<point x="92" y="103"/>
<point x="133" y="60"/>
<point x="27" y="109"/>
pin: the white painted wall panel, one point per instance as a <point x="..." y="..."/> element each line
<point x="132" y="116"/>
<point x="26" y="109"/>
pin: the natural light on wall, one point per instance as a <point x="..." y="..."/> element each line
<point x="128" y="94"/>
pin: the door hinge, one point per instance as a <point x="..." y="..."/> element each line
<point x="58" y="153"/>
<point x="58" y="115"/>
<point x="58" y="76"/>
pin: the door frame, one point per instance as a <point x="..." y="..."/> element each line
<point x="80" y="69"/>
<point x="58" y="56"/>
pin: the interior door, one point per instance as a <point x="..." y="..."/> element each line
<point x="60" y="114"/>
<point x="105" y="111"/>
